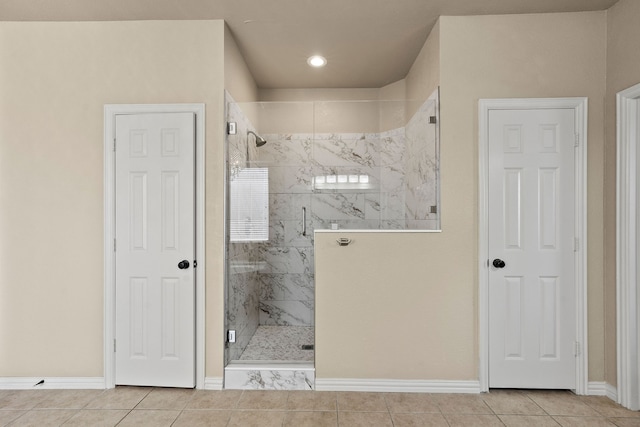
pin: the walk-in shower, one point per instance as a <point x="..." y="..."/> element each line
<point x="365" y="165"/>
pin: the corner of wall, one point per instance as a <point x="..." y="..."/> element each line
<point x="238" y="79"/>
<point x="424" y="76"/>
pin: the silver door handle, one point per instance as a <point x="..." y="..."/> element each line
<point x="343" y="241"/>
<point x="304" y="221"/>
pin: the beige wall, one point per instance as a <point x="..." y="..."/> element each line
<point x="392" y="114"/>
<point x="393" y="306"/>
<point x="238" y="80"/>
<point x="424" y="76"/>
<point x="623" y="71"/>
<point x="335" y="110"/>
<point x="54" y="81"/>
<point x="415" y="315"/>
<point x="56" y="77"/>
<point x="279" y="95"/>
<point x="548" y="55"/>
<point x="295" y="114"/>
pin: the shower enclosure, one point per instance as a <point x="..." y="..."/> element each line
<point x="295" y="167"/>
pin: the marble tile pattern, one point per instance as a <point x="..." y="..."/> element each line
<point x="421" y="165"/>
<point x="176" y="407"/>
<point x="243" y="300"/>
<point x="243" y="258"/>
<point x="269" y="379"/>
<point x="294" y="159"/>
<point x="402" y="169"/>
<point x="282" y="343"/>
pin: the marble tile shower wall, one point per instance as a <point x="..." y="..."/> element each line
<point x="287" y="283"/>
<point x="421" y="168"/>
<point x="272" y="283"/>
<point x="402" y="172"/>
<point x="243" y="290"/>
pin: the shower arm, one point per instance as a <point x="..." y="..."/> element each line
<point x="247" y="165"/>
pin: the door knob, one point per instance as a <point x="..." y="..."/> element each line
<point x="183" y="265"/>
<point x="498" y="263"/>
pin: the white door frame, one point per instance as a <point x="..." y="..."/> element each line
<point x="110" y="112"/>
<point x="579" y="105"/>
<point x="628" y="330"/>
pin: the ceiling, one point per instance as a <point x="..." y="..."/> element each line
<point x="368" y="43"/>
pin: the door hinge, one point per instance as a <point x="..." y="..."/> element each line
<point x="576" y="244"/>
<point x="577" y="349"/>
<point x="577" y="140"/>
<point x="114" y="345"/>
<point x="231" y="336"/>
<point x="114" y="244"/>
<point x="231" y="128"/>
<point x="114" y="144"/>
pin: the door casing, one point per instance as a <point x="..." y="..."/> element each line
<point x="579" y="105"/>
<point x="627" y="292"/>
<point x="110" y="113"/>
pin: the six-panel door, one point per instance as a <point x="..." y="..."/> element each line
<point x="532" y="308"/>
<point x="155" y="298"/>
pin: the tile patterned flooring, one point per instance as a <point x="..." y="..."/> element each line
<point x="139" y="406"/>
<point x="280" y="343"/>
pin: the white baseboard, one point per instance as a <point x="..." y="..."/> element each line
<point x="407" y="386"/>
<point x="32" y="383"/>
<point x="213" y="383"/>
<point x="601" y="388"/>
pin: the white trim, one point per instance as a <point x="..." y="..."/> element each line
<point x="213" y="383"/>
<point x="628" y="357"/>
<point x="580" y="107"/>
<point x="346" y="230"/>
<point x="400" y="386"/>
<point x="611" y="392"/>
<point x="29" y="383"/>
<point x="240" y="365"/>
<point x="110" y="112"/>
<point x="601" y="388"/>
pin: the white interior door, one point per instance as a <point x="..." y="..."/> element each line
<point x="155" y="249"/>
<point x="532" y="302"/>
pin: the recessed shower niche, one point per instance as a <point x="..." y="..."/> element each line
<point x="297" y="167"/>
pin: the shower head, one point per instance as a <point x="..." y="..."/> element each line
<point x="260" y="141"/>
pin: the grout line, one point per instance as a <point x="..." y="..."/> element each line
<point x="335" y="398"/>
<point x="134" y="407"/>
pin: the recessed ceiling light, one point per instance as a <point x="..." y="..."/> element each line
<point x="317" y="61"/>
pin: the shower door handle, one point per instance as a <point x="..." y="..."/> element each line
<point x="304" y="221"/>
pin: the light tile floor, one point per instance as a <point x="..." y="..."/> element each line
<point x="138" y="406"/>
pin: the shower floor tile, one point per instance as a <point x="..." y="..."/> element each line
<point x="280" y="343"/>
